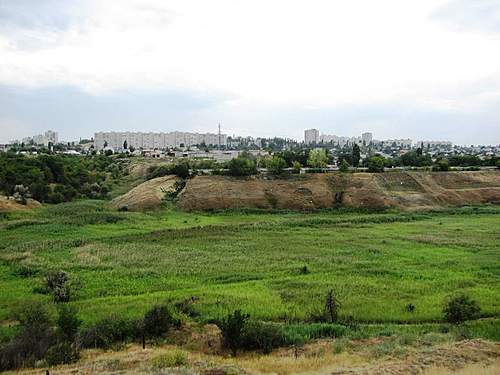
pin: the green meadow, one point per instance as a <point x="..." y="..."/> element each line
<point x="276" y="266"/>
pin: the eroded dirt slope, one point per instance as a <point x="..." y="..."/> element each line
<point x="147" y="195"/>
<point x="406" y="190"/>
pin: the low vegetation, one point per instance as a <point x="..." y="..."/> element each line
<point x="266" y="279"/>
<point x="58" y="178"/>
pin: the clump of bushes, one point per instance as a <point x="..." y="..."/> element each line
<point x="180" y="169"/>
<point x="57" y="178"/>
<point x="176" y="358"/>
<point x="243" y="165"/>
<point x="158" y="321"/>
<point x="42" y="337"/>
<point x="59" y="284"/>
<point x="461" y="308"/>
<point x="239" y="332"/>
<point x="107" y="331"/>
<point x="375" y="164"/>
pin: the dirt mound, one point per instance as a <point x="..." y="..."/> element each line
<point x="147" y="195"/>
<point x="406" y="190"/>
<point x="10" y="204"/>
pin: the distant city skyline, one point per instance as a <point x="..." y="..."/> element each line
<point x="425" y="69"/>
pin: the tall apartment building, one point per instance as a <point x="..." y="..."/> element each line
<point x="311" y="136"/>
<point x="49" y="136"/>
<point x="367" y="138"/>
<point x="146" y="141"/>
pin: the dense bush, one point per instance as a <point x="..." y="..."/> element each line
<point x="59" y="285"/>
<point x="68" y="322"/>
<point x="441" y="166"/>
<point x="461" y="308"/>
<point x="375" y="164"/>
<point x="62" y="352"/>
<point x="261" y="336"/>
<point x="318" y="158"/>
<point x="276" y="165"/>
<point x="414" y="159"/>
<point x="179" y="169"/>
<point x="35" y="337"/>
<point x="232" y="328"/>
<point x="344" y="166"/>
<point x="58" y="178"/>
<point x="243" y="165"/>
<point x="174" y="359"/>
<point x="158" y="321"/>
<point x="109" y="331"/>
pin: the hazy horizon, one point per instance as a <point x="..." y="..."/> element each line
<point x="426" y="70"/>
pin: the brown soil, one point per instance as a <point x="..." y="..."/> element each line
<point x="406" y="190"/>
<point x="10" y="204"/>
<point x="464" y="357"/>
<point x="448" y="359"/>
<point x="146" y="196"/>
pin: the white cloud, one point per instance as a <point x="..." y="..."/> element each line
<point x="317" y="53"/>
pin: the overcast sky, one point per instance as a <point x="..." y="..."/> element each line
<point x="426" y="69"/>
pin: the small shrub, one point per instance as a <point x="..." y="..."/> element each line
<point x="376" y="164"/>
<point x="35" y="336"/>
<point x="304" y="270"/>
<point x="180" y="169"/>
<point x="296" y="166"/>
<point x="123" y="208"/>
<point x="332" y="306"/>
<point x="158" y="321"/>
<point x="261" y="336"/>
<point x="68" y="322"/>
<point x="276" y="165"/>
<point x="62" y="352"/>
<point x="175" y="359"/>
<point x="344" y="166"/>
<point x="410" y="307"/>
<point x="58" y="283"/>
<point x="186" y="306"/>
<point x="108" y="331"/>
<point x="232" y="328"/>
<point x="242" y="166"/>
<point x="461" y="308"/>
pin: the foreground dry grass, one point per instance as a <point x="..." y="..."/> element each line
<point x="464" y="357"/>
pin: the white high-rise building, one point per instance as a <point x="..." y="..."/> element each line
<point x="150" y="141"/>
<point x="311" y="136"/>
<point x="49" y="136"/>
<point x="367" y="138"/>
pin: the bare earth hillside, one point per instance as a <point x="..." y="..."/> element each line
<point x="10" y="204"/>
<point x="147" y="195"/>
<point x="407" y="190"/>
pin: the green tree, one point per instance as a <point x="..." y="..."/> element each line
<point x="276" y="165"/>
<point x="356" y="155"/>
<point x="125" y="145"/>
<point x="461" y="308"/>
<point x="243" y="165"/>
<point x="158" y="321"/>
<point x="441" y="166"/>
<point x="296" y="166"/>
<point x="317" y="158"/>
<point x="68" y="322"/>
<point x="332" y="306"/>
<point x="376" y="164"/>
<point x="232" y="328"/>
<point x="344" y="166"/>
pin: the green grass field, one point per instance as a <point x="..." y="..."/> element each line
<point x="377" y="263"/>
